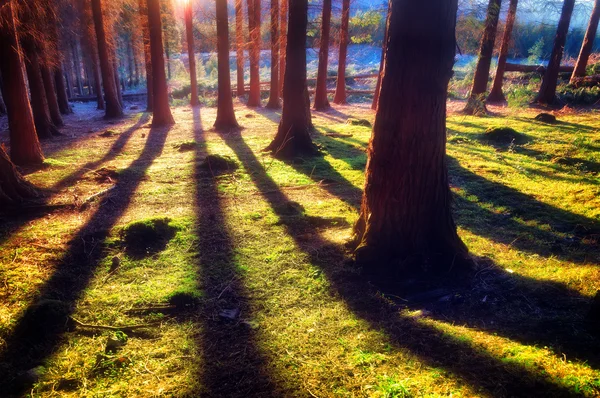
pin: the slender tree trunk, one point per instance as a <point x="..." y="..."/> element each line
<point x="405" y="220"/>
<point x="68" y="68"/>
<point x="162" y="111"/>
<point x="496" y="95"/>
<point x="61" y="91"/>
<point x="77" y="64"/>
<point x="118" y="82"/>
<point x="24" y="144"/>
<point x="2" y="104"/>
<point x="98" y="86"/>
<point x="147" y="58"/>
<point x="194" y="101"/>
<point x="340" y="87"/>
<point x="283" y="15"/>
<point x="476" y="101"/>
<point x="588" y="43"/>
<point x="90" y="44"/>
<point x="168" y="58"/>
<point x="136" y="69"/>
<point x="113" y="106"/>
<point x="56" y="69"/>
<point x="274" y="88"/>
<point x="225" y="114"/>
<point x="382" y="61"/>
<point x="239" y="47"/>
<point x="53" y="107"/>
<point x="254" y="27"/>
<point x="130" y="63"/>
<point x="547" y="92"/>
<point x="321" y="101"/>
<point x="293" y="135"/>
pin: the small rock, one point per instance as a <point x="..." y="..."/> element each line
<point x="116" y="263"/>
<point x="230" y="314"/>
<point x="143" y="135"/>
<point x="546" y="118"/>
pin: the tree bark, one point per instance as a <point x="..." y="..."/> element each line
<point x="283" y="13"/>
<point x="321" y="101"/>
<point x="13" y="187"/>
<point x="496" y="95"/>
<point x="405" y="219"/>
<point x="61" y="91"/>
<point x="2" y="104"/>
<point x="293" y="135"/>
<point x="147" y="58"/>
<point x="588" y="43"/>
<point x="25" y="147"/>
<point x="118" y="82"/>
<point x="53" y="107"/>
<point x="225" y="114"/>
<point x="130" y="62"/>
<point x="136" y="69"/>
<point x="194" y="101"/>
<point x="476" y="101"/>
<point x="77" y="66"/>
<point x="254" y="27"/>
<point x="274" y="87"/>
<point x="382" y="61"/>
<point x="90" y="44"/>
<point x="239" y="47"/>
<point x="340" y="87"/>
<point x="547" y="92"/>
<point x="168" y="58"/>
<point x="56" y="68"/>
<point x="162" y="111"/>
<point x="113" y="106"/>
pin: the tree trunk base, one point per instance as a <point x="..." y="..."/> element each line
<point x="226" y="126"/>
<point x="475" y="107"/>
<point x="14" y="189"/>
<point x="496" y="98"/>
<point x="291" y="148"/>
<point x="276" y="104"/>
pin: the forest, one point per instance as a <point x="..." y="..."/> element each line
<point x="299" y="198"/>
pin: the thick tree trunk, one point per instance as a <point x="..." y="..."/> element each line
<point x="321" y="101"/>
<point x="147" y="58"/>
<point x="225" y="115"/>
<point x="405" y="220"/>
<point x="293" y="135"/>
<point x="162" y="111"/>
<point x="254" y="28"/>
<point x="239" y="47"/>
<point x="274" y="88"/>
<point x="547" y="92"/>
<point x="194" y="101"/>
<point x="476" y="101"/>
<point x="340" y="87"/>
<point x="588" y="43"/>
<point x="24" y="145"/>
<point x="13" y="187"/>
<point x="113" y="106"/>
<point x="382" y="61"/>
<point x="496" y="95"/>
<point x="283" y="15"/>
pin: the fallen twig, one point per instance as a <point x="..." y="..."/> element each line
<point x="114" y="328"/>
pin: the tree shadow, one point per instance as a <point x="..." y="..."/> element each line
<point x="489" y="374"/>
<point x="232" y="364"/>
<point x="39" y="332"/>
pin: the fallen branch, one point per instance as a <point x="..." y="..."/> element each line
<point x="96" y="195"/>
<point x="113" y="328"/>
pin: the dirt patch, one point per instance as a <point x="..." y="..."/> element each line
<point x="147" y="237"/>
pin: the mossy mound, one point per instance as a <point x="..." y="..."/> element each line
<point x="184" y="300"/>
<point x="109" y="133"/>
<point x="218" y="164"/>
<point x="546" y="118"/>
<point x="147" y="237"/>
<point x="45" y="318"/>
<point x="359" y="122"/>
<point x="503" y="136"/>
<point x="186" y="146"/>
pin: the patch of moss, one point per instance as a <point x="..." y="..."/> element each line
<point x="218" y="164"/>
<point x="503" y="136"/>
<point x="147" y="237"/>
<point x="359" y="122"/>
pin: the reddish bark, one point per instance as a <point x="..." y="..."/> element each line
<point x="239" y="47"/>
<point x="547" y="92"/>
<point x="382" y="61"/>
<point x="147" y="58"/>
<point x="405" y="220"/>
<point x="189" y="34"/>
<point x="13" y="187"/>
<point x="293" y="135"/>
<point x="225" y="114"/>
<point x="254" y="28"/>
<point x="476" y="100"/>
<point x="113" y="106"/>
<point x="588" y="43"/>
<point x="340" y="87"/>
<point x="496" y="95"/>
<point x="61" y="91"/>
<point x="51" y="97"/>
<point x="321" y="101"/>
<point x="283" y="14"/>
<point x="56" y="68"/>
<point x="162" y="112"/>
<point x="274" y="88"/>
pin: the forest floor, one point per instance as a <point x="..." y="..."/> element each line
<point x="236" y="267"/>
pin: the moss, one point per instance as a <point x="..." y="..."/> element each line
<point x="147" y="237"/>
<point x="359" y="122"/>
<point x="218" y="164"/>
<point x="503" y="136"/>
<point x="546" y="118"/>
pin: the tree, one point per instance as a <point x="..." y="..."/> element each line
<point x="113" y="105"/>
<point x="340" y="87"/>
<point x="283" y="11"/>
<point x="161" y="110"/>
<point x="13" y="187"/>
<point x="225" y="114"/>
<point x="254" y="27"/>
<point x="239" y="47"/>
<point x="91" y="48"/>
<point x="476" y="100"/>
<point x="382" y="61"/>
<point x="189" y="32"/>
<point x="143" y="9"/>
<point x="56" y="68"/>
<point x="588" y="43"/>
<point x="274" y="88"/>
<point x="2" y="104"/>
<point x="405" y="214"/>
<point x="321" y="101"/>
<point x="25" y="147"/>
<point x="293" y="135"/>
<point x="496" y="95"/>
<point x="547" y="91"/>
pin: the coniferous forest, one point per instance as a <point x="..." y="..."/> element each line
<point x="294" y="198"/>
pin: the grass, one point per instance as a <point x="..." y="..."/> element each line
<point x="272" y="306"/>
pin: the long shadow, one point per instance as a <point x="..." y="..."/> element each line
<point x="487" y="373"/>
<point x="39" y="332"/>
<point x="232" y="364"/>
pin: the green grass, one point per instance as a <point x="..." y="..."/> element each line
<point x="265" y="240"/>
